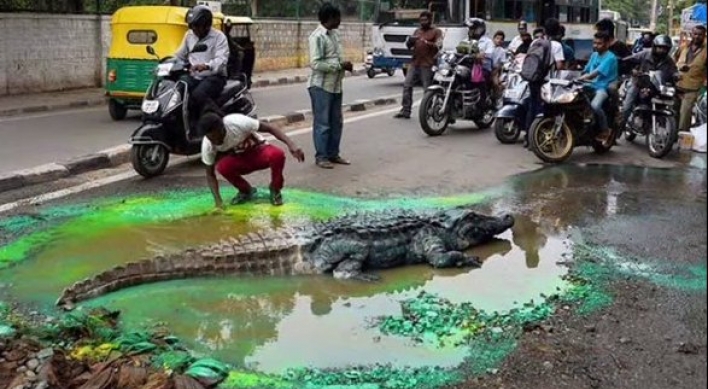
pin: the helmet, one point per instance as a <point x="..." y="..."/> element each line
<point x="662" y="41"/>
<point x="199" y="16"/>
<point x="475" y="23"/>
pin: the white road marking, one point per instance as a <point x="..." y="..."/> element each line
<point x="37" y="200"/>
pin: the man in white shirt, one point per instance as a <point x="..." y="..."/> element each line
<point x="518" y="40"/>
<point x="233" y="146"/>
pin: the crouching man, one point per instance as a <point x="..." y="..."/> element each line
<point x="233" y="146"/>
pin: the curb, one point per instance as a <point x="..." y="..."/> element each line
<point x="119" y="155"/>
<point x="97" y="101"/>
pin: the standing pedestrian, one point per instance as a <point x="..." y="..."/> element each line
<point x="426" y="41"/>
<point x="325" y="87"/>
<point x="691" y="61"/>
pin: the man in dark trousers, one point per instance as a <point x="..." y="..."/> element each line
<point x="426" y="41"/>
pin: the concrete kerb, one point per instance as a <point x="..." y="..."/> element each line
<point x="119" y="155"/>
<point x="101" y="100"/>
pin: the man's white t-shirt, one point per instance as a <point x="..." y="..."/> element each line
<point x="556" y="52"/>
<point x="241" y="135"/>
<point x="515" y="43"/>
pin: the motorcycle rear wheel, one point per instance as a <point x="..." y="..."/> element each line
<point x="548" y="146"/>
<point x="149" y="160"/>
<point x="433" y="119"/>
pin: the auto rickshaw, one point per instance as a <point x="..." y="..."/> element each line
<point x="129" y="68"/>
<point x="243" y="51"/>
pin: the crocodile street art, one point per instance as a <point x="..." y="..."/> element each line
<point x="344" y="246"/>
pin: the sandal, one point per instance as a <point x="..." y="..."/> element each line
<point x="243" y="197"/>
<point x="276" y="198"/>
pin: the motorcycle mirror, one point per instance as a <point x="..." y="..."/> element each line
<point x="200" y="48"/>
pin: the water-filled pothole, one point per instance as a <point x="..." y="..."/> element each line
<point x="274" y="323"/>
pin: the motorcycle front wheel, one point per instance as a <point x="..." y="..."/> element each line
<point x="507" y="130"/>
<point x="149" y="160"/>
<point x="433" y="117"/>
<point x="548" y="145"/>
<point x="662" y="136"/>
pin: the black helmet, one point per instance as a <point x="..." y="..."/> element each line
<point x="199" y="16"/>
<point x="475" y="23"/>
<point x="663" y="41"/>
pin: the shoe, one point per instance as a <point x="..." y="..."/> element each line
<point x="324" y="164"/>
<point x="243" y="197"/>
<point x="402" y="115"/>
<point x="340" y="160"/>
<point x="276" y="198"/>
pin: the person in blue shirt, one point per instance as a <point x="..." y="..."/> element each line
<point x="602" y="69"/>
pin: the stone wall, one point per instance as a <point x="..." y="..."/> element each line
<point x="40" y="52"/>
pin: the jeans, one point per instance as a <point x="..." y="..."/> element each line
<point x="629" y="99"/>
<point x="534" y="107"/>
<point x="202" y="91"/>
<point x="234" y="166"/>
<point x="414" y="73"/>
<point x="597" y="101"/>
<point x="327" y="123"/>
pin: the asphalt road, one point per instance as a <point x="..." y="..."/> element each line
<point x="32" y="140"/>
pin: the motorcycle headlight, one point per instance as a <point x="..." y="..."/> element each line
<point x="566" y="97"/>
<point x="667" y="91"/>
<point x="445" y="72"/>
<point x="377" y="52"/>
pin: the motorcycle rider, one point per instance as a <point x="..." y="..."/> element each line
<point x="655" y="59"/>
<point x="602" y="69"/>
<point x="482" y="46"/>
<point x="643" y="42"/>
<point x="522" y="28"/>
<point x="208" y="71"/>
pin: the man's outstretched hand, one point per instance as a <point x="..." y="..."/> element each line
<point x="298" y="154"/>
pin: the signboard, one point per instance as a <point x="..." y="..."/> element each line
<point x="693" y="16"/>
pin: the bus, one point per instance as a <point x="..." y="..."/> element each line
<point x="395" y="20"/>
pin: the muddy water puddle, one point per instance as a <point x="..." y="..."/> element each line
<point x="273" y="323"/>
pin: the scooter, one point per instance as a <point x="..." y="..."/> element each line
<point x="510" y="119"/>
<point x="166" y="126"/>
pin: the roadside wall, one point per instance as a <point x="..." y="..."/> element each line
<point x="42" y="52"/>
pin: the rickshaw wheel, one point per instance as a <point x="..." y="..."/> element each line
<point x="371" y="73"/>
<point x="117" y="110"/>
<point x="391" y="72"/>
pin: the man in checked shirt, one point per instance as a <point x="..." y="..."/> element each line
<point x="325" y="87"/>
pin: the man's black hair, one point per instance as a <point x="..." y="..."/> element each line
<point x="426" y="14"/>
<point x="327" y="12"/>
<point x="602" y="35"/>
<point x="499" y="33"/>
<point x="538" y="30"/>
<point x="700" y="27"/>
<point x="552" y="27"/>
<point x="210" y="117"/>
<point x="607" y="26"/>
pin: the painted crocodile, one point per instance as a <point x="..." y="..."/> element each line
<point x="344" y="246"/>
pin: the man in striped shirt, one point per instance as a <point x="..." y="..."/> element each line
<point x="325" y="87"/>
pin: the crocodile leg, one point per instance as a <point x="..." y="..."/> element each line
<point x="434" y="252"/>
<point x="350" y="269"/>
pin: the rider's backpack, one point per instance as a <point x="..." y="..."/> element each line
<point x="537" y="62"/>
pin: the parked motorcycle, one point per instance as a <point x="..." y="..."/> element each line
<point x="453" y="96"/>
<point x="166" y="126"/>
<point x="654" y="115"/>
<point x="510" y="119"/>
<point x="568" y="120"/>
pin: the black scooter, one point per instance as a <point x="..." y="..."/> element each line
<point x="166" y="125"/>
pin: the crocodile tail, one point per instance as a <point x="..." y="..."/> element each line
<point x="249" y="254"/>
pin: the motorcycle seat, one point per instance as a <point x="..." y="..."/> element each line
<point x="230" y="89"/>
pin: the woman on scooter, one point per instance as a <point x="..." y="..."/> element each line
<point x="233" y="146"/>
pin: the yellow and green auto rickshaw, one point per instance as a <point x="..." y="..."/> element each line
<point x="129" y="68"/>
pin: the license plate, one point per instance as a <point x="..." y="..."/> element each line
<point x="150" y="106"/>
<point x="163" y="69"/>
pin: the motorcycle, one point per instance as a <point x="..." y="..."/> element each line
<point x="568" y="120"/>
<point x="510" y="119"/>
<point x="166" y="126"/>
<point x="699" y="110"/>
<point x="654" y="115"/>
<point x="453" y="96"/>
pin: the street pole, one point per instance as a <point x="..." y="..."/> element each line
<point x="652" y="21"/>
<point x="671" y="17"/>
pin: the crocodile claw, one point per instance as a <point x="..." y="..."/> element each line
<point x="471" y="261"/>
